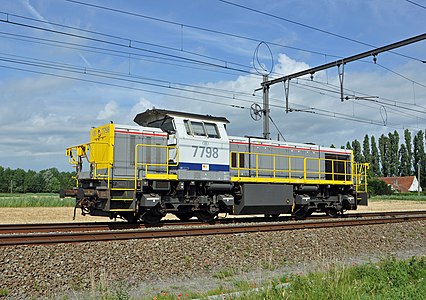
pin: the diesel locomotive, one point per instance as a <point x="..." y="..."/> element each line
<point x="187" y="165"/>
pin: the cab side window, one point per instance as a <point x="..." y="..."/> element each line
<point x="198" y="128"/>
<point x="187" y="127"/>
<point x="201" y="129"/>
<point x="212" y="131"/>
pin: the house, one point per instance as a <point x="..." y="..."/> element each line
<point x="402" y="184"/>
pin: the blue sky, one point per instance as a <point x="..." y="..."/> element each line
<point x="57" y="82"/>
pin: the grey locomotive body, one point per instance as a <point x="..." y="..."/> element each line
<point x="187" y="165"/>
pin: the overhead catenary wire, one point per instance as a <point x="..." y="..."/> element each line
<point x="161" y="83"/>
<point x="116" y="53"/>
<point x="309" y="108"/>
<point x="182" y="25"/>
<point x="377" y="99"/>
<point x="311" y="27"/>
<point x="417" y="4"/>
<point x="121" y="86"/>
<point x="318" y="111"/>
<point x="103" y="34"/>
<point x="334" y="114"/>
<point x="396" y="108"/>
<point x="127" y="40"/>
<point x="137" y="55"/>
<point x="124" y="46"/>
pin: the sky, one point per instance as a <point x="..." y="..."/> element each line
<point x="67" y="66"/>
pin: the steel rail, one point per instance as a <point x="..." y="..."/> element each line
<point x="98" y="226"/>
<point x="79" y="237"/>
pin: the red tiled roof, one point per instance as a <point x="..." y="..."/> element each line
<point x="401" y="184"/>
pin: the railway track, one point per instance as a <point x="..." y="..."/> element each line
<point x="99" y="226"/>
<point x="80" y="232"/>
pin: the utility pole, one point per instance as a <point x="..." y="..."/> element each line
<point x="11" y="186"/>
<point x="266" y="109"/>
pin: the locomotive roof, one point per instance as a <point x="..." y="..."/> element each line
<point x="156" y="114"/>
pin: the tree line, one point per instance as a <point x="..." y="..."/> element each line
<point x="45" y="181"/>
<point x="388" y="157"/>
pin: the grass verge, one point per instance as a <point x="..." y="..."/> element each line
<point x="389" y="279"/>
<point x="400" y="197"/>
<point x="34" y="200"/>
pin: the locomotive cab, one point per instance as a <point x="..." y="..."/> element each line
<point x="199" y="159"/>
<point x="202" y="142"/>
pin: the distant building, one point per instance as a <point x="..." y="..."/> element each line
<point x="402" y="184"/>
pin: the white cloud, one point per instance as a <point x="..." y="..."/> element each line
<point x="142" y="105"/>
<point x="111" y="109"/>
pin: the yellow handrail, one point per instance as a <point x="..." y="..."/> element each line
<point x="310" y="173"/>
<point x="360" y="182"/>
<point x="167" y="164"/>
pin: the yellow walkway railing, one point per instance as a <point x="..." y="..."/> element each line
<point x="298" y="169"/>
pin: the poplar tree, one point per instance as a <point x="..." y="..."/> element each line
<point x="356" y="147"/>
<point x="419" y="156"/>
<point x="375" y="159"/>
<point x="384" y="155"/>
<point x="404" y="164"/>
<point x="393" y="153"/>
<point x="366" y="149"/>
<point x="408" y="146"/>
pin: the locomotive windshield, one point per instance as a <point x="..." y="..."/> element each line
<point x="165" y="124"/>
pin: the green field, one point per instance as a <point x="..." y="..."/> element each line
<point x="34" y="200"/>
<point x="407" y="197"/>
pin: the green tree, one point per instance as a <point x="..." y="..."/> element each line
<point x="34" y="182"/>
<point x="384" y="155"/>
<point x="348" y="146"/>
<point x="419" y="156"/>
<point x="375" y="158"/>
<point x="2" y="180"/>
<point x="393" y="153"/>
<point x="356" y="146"/>
<point x="404" y="161"/>
<point x="51" y="178"/>
<point x="19" y="180"/>
<point x="408" y="146"/>
<point x="366" y="149"/>
<point x="8" y="181"/>
<point x="378" y="187"/>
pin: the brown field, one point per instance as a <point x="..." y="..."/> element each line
<point x="65" y="214"/>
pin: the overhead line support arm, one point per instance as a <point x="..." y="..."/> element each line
<point x="373" y="52"/>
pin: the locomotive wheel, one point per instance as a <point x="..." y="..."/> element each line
<point x="151" y="218"/>
<point x="332" y="212"/>
<point x="301" y="212"/>
<point x="131" y="218"/>
<point x="184" y="216"/>
<point x="205" y="216"/>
